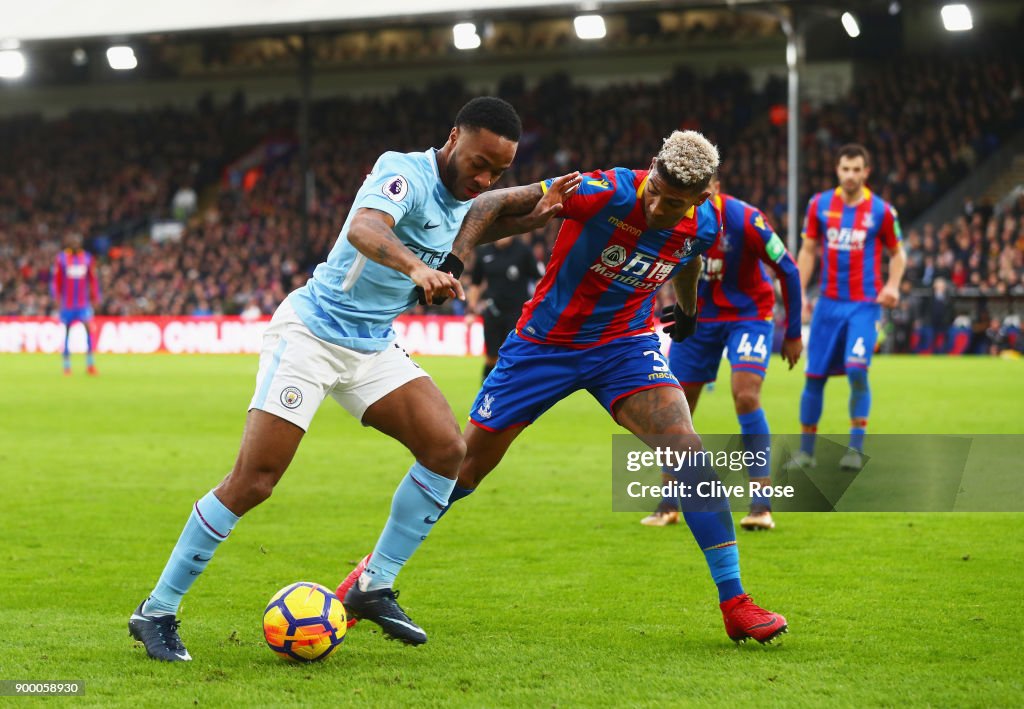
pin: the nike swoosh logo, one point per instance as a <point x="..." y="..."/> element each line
<point x="183" y="656"/>
<point x="196" y="557"/>
<point x="410" y="626"/>
<point x="428" y="225"/>
<point x="430" y="521"/>
<point x="765" y="625"/>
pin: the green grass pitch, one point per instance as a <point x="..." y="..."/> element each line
<point x="533" y="592"/>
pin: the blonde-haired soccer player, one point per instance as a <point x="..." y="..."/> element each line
<point x="590" y="325"/>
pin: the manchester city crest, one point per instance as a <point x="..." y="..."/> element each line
<point x="291" y="397"/>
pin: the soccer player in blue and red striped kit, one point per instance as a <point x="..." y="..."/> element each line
<point x="852" y="226"/>
<point x="590" y="326"/>
<point x="736" y="304"/>
<point x="75" y="288"/>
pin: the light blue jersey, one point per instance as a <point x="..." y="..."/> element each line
<point x="352" y="301"/>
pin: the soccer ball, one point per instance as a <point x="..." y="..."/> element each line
<point x="304" y="622"/>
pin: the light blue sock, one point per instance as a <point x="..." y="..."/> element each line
<point x="757" y="439"/>
<point x="209" y="524"/>
<point x="418" y="503"/>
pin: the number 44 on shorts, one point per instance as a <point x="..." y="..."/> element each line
<point x="745" y="348"/>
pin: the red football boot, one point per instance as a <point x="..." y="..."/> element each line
<point x="349" y="582"/>
<point x="744" y="619"/>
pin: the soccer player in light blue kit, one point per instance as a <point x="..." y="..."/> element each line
<point x="334" y="337"/>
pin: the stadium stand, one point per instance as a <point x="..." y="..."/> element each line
<point x="113" y="176"/>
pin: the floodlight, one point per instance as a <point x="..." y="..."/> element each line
<point x="465" y="37"/>
<point x="122" y="58"/>
<point x="12" y="64"/>
<point x="589" y="27"/>
<point x="957" y="18"/>
<point x="850" y="24"/>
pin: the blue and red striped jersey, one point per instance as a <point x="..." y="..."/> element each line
<point x="607" y="265"/>
<point x="853" y="242"/>
<point x="74" y="283"/>
<point x="734" y="284"/>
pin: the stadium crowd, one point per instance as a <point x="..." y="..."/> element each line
<point x="231" y="54"/>
<point x="978" y="257"/>
<point x="110" y="176"/>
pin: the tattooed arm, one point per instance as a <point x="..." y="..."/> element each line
<point x="371" y="234"/>
<point x="685" y="285"/>
<point x="514" y="210"/>
<point x="680" y="320"/>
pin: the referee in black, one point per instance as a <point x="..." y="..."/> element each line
<point x="508" y="269"/>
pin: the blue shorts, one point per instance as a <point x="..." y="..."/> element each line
<point x="70" y="315"/>
<point x="530" y="378"/>
<point x="695" y="360"/>
<point x="843" y="335"/>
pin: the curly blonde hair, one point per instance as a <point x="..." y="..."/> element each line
<point x="688" y="160"/>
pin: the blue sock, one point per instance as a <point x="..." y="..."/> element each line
<point x="713" y="530"/>
<point x="209" y="524"/>
<point x="67" y="349"/>
<point x="417" y="505"/>
<point x="857" y="438"/>
<point x="811" y="403"/>
<point x="458" y="492"/>
<point x="860" y="404"/>
<point x="88" y="348"/>
<point x="716" y="537"/>
<point x="756" y="438"/>
<point x="668" y="502"/>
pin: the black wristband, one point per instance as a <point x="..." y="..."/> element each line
<point x="452" y="264"/>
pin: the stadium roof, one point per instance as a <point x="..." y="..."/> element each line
<point x="68" y="19"/>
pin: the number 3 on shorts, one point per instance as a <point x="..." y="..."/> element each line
<point x="660" y="364"/>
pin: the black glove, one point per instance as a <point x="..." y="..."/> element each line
<point x="678" y="324"/>
<point x="452" y="264"/>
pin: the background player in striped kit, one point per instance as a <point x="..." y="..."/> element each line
<point x="852" y="227"/>
<point x="76" y="289"/>
<point x="736" y="302"/>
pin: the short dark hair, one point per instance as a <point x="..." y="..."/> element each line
<point x="854" y="150"/>
<point x="492" y="113"/>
